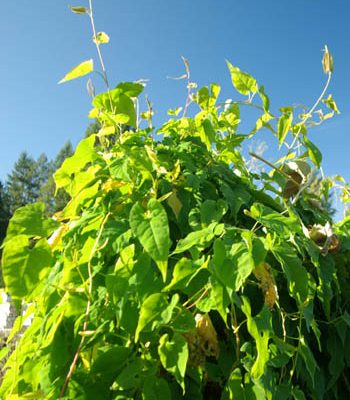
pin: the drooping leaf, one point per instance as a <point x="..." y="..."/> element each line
<point x="207" y="133"/>
<point x="82" y="69"/>
<point x="313" y="151"/>
<point x="296" y="273"/>
<point x="173" y="355"/>
<point x="308" y="358"/>
<point x="326" y="275"/>
<point x="260" y="328"/>
<point x="151" y="228"/>
<point x="284" y="125"/>
<point x="265" y="99"/>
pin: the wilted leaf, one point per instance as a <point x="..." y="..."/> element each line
<point x="79" y="10"/>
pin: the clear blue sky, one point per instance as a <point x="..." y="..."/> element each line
<point x="279" y="42"/>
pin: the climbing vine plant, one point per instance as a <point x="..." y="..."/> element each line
<point x="176" y="272"/>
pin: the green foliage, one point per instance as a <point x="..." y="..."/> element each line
<point x="55" y="200"/>
<point x="170" y="274"/>
<point x="82" y="69"/>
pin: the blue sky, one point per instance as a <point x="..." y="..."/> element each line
<point x="279" y="42"/>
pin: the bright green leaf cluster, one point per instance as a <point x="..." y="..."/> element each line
<point x="174" y="271"/>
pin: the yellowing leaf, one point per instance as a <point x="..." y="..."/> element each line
<point x="55" y="239"/>
<point x="175" y="203"/>
<point x="330" y="103"/>
<point x="327" y="61"/>
<point x="101" y="38"/>
<point x="243" y="82"/>
<point x="79" y="10"/>
<point x="207" y="333"/>
<point x="82" y="69"/>
<point x="267" y="283"/>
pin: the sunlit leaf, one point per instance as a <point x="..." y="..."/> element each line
<point x="330" y="103"/>
<point x="151" y="228"/>
<point x="313" y="151"/>
<point x="101" y="38"/>
<point x="265" y="99"/>
<point x="31" y="221"/>
<point x="23" y="266"/>
<point x="243" y="82"/>
<point x="284" y="125"/>
<point x="84" y="154"/>
<point x="82" y="69"/>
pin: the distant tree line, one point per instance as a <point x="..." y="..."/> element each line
<point x="31" y="180"/>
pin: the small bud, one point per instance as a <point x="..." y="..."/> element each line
<point x="327" y="61"/>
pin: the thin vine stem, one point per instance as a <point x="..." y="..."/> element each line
<point x="189" y="89"/>
<point x="91" y="15"/>
<point x="87" y="310"/>
<point x="104" y="72"/>
<point x="309" y="114"/>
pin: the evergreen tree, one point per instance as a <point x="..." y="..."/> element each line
<point x="43" y="166"/>
<point x="92" y="128"/>
<point x="23" y="183"/>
